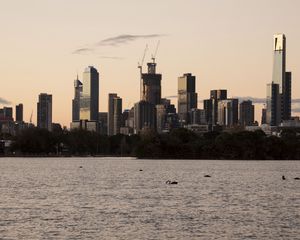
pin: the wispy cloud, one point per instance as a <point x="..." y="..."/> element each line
<point x="113" y="42"/>
<point x="126" y="38"/>
<point x="4" y="101"/>
<point x="111" y="57"/>
<point x="83" y="51"/>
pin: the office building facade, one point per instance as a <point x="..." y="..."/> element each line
<point x="76" y="100"/>
<point x="19" y="113"/>
<point x="187" y="97"/>
<point x="228" y="112"/>
<point x="246" y="113"/>
<point x="144" y="116"/>
<point x="44" y="111"/>
<point x="151" y="85"/>
<point x="278" y="106"/>
<point x="89" y="97"/>
<point x="117" y="115"/>
<point x="110" y="115"/>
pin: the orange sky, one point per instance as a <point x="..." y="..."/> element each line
<point x="225" y="43"/>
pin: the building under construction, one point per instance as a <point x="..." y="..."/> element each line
<point x="151" y="85"/>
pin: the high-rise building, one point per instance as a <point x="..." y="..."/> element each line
<point x="187" y="97"/>
<point x="8" y="113"/>
<point x="76" y="100"/>
<point x="103" y="116"/>
<point x="144" y="116"/>
<point x="246" y="113"/>
<point x="198" y="116"/>
<point x="117" y="115"/>
<point x="161" y="117"/>
<point x="216" y="96"/>
<point x="273" y="114"/>
<point x="279" y="60"/>
<point x="228" y="112"/>
<point x="19" y="112"/>
<point x="89" y="97"/>
<point x="44" y="111"/>
<point x="281" y="108"/>
<point x="287" y="96"/>
<point x="110" y="115"/>
<point x="208" y="108"/>
<point x="151" y="85"/>
<point x="264" y="116"/>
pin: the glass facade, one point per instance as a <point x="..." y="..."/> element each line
<point x="187" y="96"/>
<point x="44" y="111"/>
<point x="273" y="105"/>
<point x="89" y="98"/>
<point x="279" y="60"/>
<point x="279" y="91"/>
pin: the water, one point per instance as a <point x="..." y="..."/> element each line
<point x="112" y="199"/>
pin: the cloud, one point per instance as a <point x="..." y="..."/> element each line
<point x="253" y="99"/>
<point x="125" y="38"/>
<point x="114" y="42"/>
<point x="111" y="57"/>
<point x="83" y="51"/>
<point x="4" y="101"/>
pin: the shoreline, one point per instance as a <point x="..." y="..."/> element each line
<point x="136" y="158"/>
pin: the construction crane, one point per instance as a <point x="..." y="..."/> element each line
<point x="156" y="49"/>
<point x="140" y="66"/>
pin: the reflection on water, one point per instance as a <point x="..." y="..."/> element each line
<point x="113" y="199"/>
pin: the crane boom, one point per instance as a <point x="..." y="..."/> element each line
<point x="156" y="49"/>
<point x="140" y="66"/>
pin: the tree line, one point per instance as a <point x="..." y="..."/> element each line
<point x="178" y="144"/>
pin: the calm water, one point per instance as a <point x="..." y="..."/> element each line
<point x="112" y="199"/>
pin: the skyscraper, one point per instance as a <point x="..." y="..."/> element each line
<point x="76" y="100"/>
<point x="117" y="114"/>
<point x="44" y="111"/>
<point x="246" y="113"/>
<point x="287" y="96"/>
<point x="228" y="112"/>
<point x="110" y="115"/>
<point x="151" y="85"/>
<point x="103" y="116"/>
<point x="273" y="113"/>
<point x="89" y="97"/>
<point x="19" y="112"/>
<point x="8" y="113"/>
<point x="216" y="96"/>
<point x="144" y="116"/>
<point x="187" y="97"/>
<point x="279" y="105"/>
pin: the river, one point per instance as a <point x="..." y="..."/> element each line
<point x="107" y="198"/>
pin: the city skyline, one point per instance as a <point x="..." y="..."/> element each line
<point x="220" y="51"/>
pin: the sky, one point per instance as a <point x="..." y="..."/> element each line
<point x="227" y="44"/>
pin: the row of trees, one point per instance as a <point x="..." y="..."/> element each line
<point x="178" y="144"/>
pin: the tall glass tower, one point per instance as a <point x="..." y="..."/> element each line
<point x="89" y="97"/>
<point x="279" y="91"/>
<point x="76" y="100"/>
<point x="44" y="111"/>
<point x="187" y="97"/>
<point x="279" y="49"/>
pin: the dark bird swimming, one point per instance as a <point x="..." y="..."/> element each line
<point x="171" y="182"/>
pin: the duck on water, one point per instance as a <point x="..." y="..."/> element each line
<point x="171" y="182"/>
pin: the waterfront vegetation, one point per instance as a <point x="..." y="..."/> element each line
<point x="178" y="144"/>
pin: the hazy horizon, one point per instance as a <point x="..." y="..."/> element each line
<point x="224" y="43"/>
